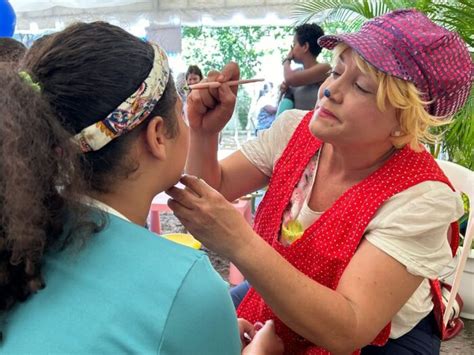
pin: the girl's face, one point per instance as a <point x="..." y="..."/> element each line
<point x="193" y="79"/>
<point x="180" y="143"/>
<point x="350" y="115"/>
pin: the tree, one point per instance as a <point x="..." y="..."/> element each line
<point x="213" y="47"/>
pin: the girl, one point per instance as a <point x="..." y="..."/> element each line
<point x="91" y="131"/>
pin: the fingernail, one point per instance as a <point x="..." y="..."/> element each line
<point x="258" y="325"/>
<point x="220" y="77"/>
<point x="247" y="336"/>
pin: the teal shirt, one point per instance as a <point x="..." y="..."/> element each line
<point x="126" y="291"/>
<point x="285" y="104"/>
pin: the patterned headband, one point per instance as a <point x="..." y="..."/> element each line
<point x="133" y="111"/>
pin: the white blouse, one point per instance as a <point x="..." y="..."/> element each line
<point x="411" y="226"/>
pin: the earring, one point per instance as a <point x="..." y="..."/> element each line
<point x="327" y="93"/>
<point x="397" y="134"/>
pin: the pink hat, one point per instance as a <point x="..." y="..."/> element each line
<point x="408" y="45"/>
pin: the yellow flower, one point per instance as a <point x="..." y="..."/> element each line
<point x="292" y="231"/>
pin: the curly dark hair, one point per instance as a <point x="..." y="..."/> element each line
<point x="84" y="72"/>
<point x="194" y="69"/>
<point x="11" y="50"/>
<point x="309" y="33"/>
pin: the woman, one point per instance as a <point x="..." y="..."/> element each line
<point x="355" y="220"/>
<point x="300" y="87"/>
<point x="88" y="138"/>
<point x="193" y="75"/>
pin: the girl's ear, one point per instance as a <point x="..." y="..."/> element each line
<point x="156" y="137"/>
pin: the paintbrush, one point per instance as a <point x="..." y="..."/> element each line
<point x="216" y="84"/>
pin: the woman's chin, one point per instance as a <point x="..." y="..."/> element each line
<point x="317" y="129"/>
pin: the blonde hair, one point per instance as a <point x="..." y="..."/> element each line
<point x="415" y="122"/>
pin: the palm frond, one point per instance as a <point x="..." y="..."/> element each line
<point x="352" y="20"/>
<point x="380" y="8"/>
<point x="341" y="10"/>
<point x="314" y="6"/>
<point x="459" y="136"/>
<point x="457" y="17"/>
<point x="308" y="9"/>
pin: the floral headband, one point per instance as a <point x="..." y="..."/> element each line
<point x="133" y="111"/>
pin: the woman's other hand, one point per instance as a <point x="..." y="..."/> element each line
<point x="246" y="330"/>
<point x="209" y="217"/>
<point x="208" y="110"/>
<point x="265" y="342"/>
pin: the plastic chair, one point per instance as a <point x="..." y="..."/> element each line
<point x="235" y="276"/>
<point x="159" y="204"/>
<point x="463" y="181"/>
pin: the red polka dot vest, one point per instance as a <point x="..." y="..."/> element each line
<point x="327" y="246"/>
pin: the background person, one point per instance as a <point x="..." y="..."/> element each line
<point x="181" y="86"/>
<point x="193" y="75"/>
<point x="263" y="111"/>
<point x="267" y="108"/>
<point x="300" y="86"/>
<point x="11" y="50"/>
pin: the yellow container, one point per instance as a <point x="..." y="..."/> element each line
<point x="184" y="239"/>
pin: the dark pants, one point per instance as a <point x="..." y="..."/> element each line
<point x="238" y="293"/>
<point x="421" y="340"/>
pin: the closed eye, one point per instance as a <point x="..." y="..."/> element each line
<point x="362" y="89"/>
<point x="335" y="74"/>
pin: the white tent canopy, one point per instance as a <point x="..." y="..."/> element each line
<point x="33" y="5"/>
<point x="55" y="14"/>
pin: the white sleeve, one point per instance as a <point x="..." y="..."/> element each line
<point x="267" y="147"/>
<point x="412" y="227"/>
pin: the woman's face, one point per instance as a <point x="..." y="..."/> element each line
<point x="297" y="50"/>
<point x="179" y="145"/>
<point x="193" y="79"/>
<point x="350" y="116"/>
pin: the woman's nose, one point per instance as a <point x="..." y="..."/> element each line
<point x="332" y="91"/>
